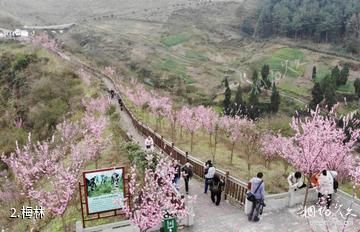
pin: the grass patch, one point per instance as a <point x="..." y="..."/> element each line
<point x="194" y="55"/>
<point x="173" y="40"/>
<point x="286" y="60"/>
<point x="347" y="88"/>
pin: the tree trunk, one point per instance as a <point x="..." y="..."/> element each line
<point x="63" y="222"/>
<point x="307" y="190"/>
<point x="214" y="149"/>
<point x="191" y="142"/>
<point x="96" y="163"/>
<point x="232" y="153"/>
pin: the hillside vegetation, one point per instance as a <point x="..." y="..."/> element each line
<point x="36" y="91"/>
<point x="318" y="20"/>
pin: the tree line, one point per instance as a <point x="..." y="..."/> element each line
<point x="252" y="108"/>
<point x="317" y="20"/>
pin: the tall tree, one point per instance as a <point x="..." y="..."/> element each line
<point x="265" y="71"/>
<point x="317" y="95"/>
<point x="238" y="101"/>
<point x="274" y="99"/>
<point x="227" y="99"/>
<point x="313" y="75"/>
<point x="344" y="74"/>
<point x="328" y="86"/>
<point x="357" y="87"/>
<point x="335" y="75"/>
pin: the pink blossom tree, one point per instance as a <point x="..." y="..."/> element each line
<point x="189" y="120"/>
<point x="269" y="152"/>
<point x="157" y="195"/>
<point x="318" y="144"/>
<point x="160" y="107"/>
<point x="172" y="116"/>
<point x="234" y="128"/>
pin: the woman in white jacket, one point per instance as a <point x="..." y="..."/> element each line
<point x="326" y="186"/>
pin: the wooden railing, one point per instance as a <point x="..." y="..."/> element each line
<point x="235" y="189"/>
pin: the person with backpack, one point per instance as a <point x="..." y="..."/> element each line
<point x="216" y="188"/>
<point x="256" y="195"/>
<point x="209" y="171"/>
<point x="327" y="186"/>
<point x="186" y="172"/>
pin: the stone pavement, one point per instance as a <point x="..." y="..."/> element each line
<point x="230" y="218"/>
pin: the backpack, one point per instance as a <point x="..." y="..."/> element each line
<point x="190" y="172"/>
<point x="335" y="183"/>
<point x="215" y="187"/>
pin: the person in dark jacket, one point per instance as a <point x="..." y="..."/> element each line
<point x="177" y="175"/>
<point x="216" y="188"/>
<point x="186" y="172"/>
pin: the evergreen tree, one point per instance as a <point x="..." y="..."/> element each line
<point x="335" y="74"/>
<point x="344" y="74"/>
<point x="313" y="73"/>
<point x="256" y="86"/>
<point x="265" y="71"/>
<point x="253" y="99"/>
<point x="274" y="99"/>
<point x="317" y="95"/>
<point x="238" y="101"/>
<point x="227" y="100"/>
<point x="329" y="89"/>
<point x="357" y="87"/>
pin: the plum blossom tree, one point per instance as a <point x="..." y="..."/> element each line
<point x="318" y="144"/>
<point x="189" y="120"/>
<point x="160" y="107"/>
<point x="234" y="128"/>
<point x="269" y="152"/>
<point x="157" y="195"/>
<point x="56" y="162"/>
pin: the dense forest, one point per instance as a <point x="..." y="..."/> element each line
<point x="335" y="21"/>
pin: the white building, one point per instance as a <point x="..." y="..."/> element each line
<point x="20" y="33"/>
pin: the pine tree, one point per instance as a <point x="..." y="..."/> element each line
<point x="253" y="99"/>
<point x="317" y="95"/>
<point x="344" y="74"/>
<point x="265" y="71"/>
<point x="238" y="101"/>
<point x="227" y="100"/>
<point x="329" y="89"/>
<point x="357" y="87"/>
<point x="275" y="99"/>
<point x="314" y="73"/>
<point x="335" y="74"/>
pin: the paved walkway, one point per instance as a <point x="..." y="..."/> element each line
<point x="229" y="218"/>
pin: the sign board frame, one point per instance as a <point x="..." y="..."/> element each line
<point x="107" y="213"/>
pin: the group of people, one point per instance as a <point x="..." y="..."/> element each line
<point x="325" y="183"/>
<point x="113" y="95"/>
<point x="212" y="181"/>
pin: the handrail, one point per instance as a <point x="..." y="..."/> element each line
<point x="234" y="188"/>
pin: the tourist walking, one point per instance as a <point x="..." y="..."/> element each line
<point x="256" y="196"/>
<point x="209" y="172"/>
<point x="296" y="181"/>
<point x="149" y="144"/>
<point x="326" y="187"/>
<point x="216" y="188"/>
<point x="187" y="173"/>
<point x="177" y="174"/>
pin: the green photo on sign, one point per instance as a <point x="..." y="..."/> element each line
<point x="170" y="225"/>
<point x="104" y="189"/>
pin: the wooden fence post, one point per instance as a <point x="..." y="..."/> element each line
<point x="186" y="155"/>
<point x="226" y="190"/>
